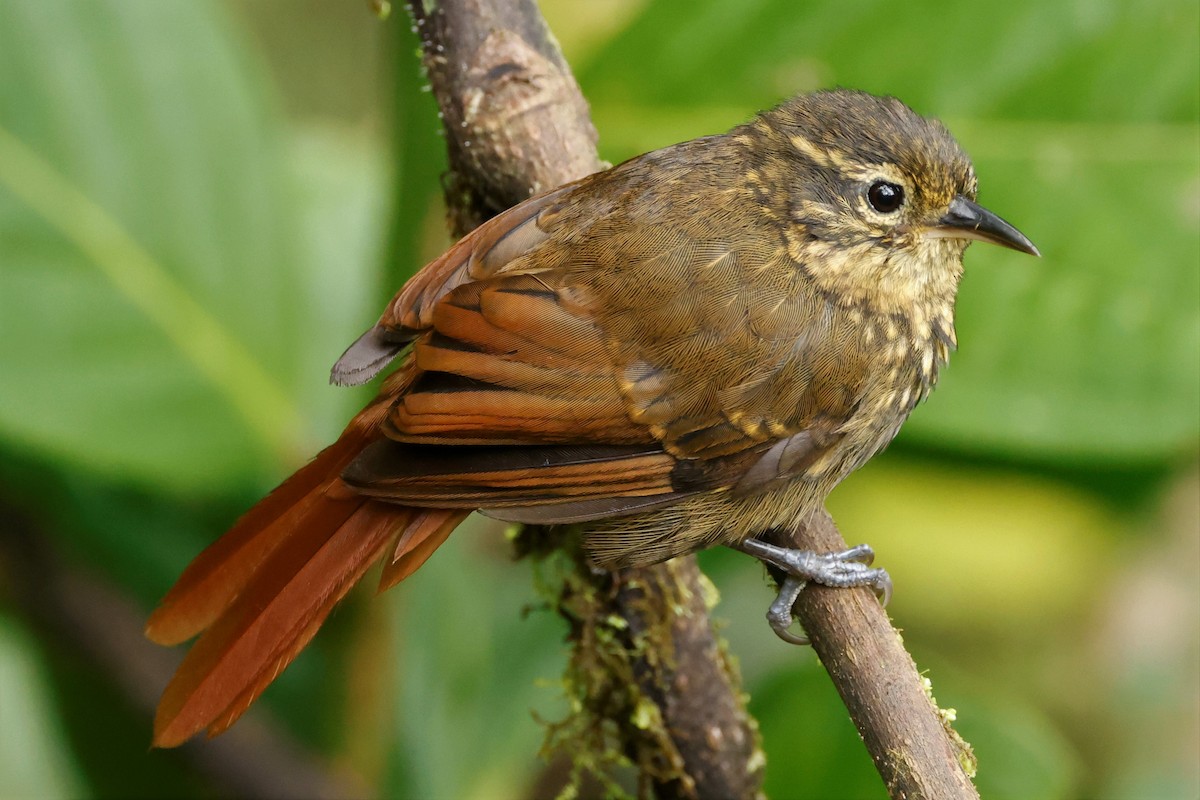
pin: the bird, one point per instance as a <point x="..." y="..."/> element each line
<point x="689" y="349"/>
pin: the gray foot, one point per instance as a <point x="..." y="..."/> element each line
<point x="846" y="569"/>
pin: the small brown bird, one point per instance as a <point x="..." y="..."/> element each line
<point x="685" y="350"/>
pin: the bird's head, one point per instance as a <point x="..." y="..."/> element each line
<point x="881" y="201"/>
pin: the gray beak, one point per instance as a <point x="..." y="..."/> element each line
<point x="968" y="220"/>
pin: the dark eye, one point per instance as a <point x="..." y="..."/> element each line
<point x="885" y="197"/>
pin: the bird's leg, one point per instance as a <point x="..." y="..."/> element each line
<point x="846" y="569"/>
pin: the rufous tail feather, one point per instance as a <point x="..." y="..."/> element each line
<point x="260" y="593"/>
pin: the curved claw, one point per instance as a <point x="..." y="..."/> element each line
<point x="789" y="637"/>
<point x="882" y="584"/>
<point x="779" y="613"/>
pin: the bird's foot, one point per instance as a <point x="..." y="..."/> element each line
<point x="846" y="569"/>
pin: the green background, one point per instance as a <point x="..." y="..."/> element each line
<point x="203" y="202"/>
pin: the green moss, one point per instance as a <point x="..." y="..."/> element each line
<point x="612" y="724"/>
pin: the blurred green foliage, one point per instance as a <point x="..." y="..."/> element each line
<point x="202" y="202"/>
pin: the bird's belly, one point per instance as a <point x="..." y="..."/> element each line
<point x="727" y="517"/>
<point x="704" y="520"/>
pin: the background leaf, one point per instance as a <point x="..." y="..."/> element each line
<point x="146" y="307"/>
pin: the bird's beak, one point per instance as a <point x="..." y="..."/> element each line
<point x="968" y="220"/>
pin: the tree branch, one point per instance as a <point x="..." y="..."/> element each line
<point x="516" y="123"/>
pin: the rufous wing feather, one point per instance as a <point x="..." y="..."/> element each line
<point x="480" y="254"/>
<point x="425" y="533"/>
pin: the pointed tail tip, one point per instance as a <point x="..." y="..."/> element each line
<point x="166" y="628"/>
<point x="168" y="733"/>
<point x="183" y="712"/>
<point x="154" y="629"/>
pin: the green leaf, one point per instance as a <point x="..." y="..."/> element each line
<point x="812" y="747"/>
<point x="1082" y="119"/>
<point x="1021" y="755"/>
<point x="1029" y="61"/>
<point x="1091" y="353"/>
<point x="340" y="182"/>
<point x="147" y="295"/>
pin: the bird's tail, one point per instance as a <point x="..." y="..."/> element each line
<point x="262" y="590"/>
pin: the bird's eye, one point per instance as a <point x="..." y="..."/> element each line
<point x="885" y="197"/>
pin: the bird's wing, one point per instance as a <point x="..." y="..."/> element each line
<point x="608" y="347"/>
<point x="516" y="405"/>
<point x="533" y="397"/>
<point x="478" y="255"/>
